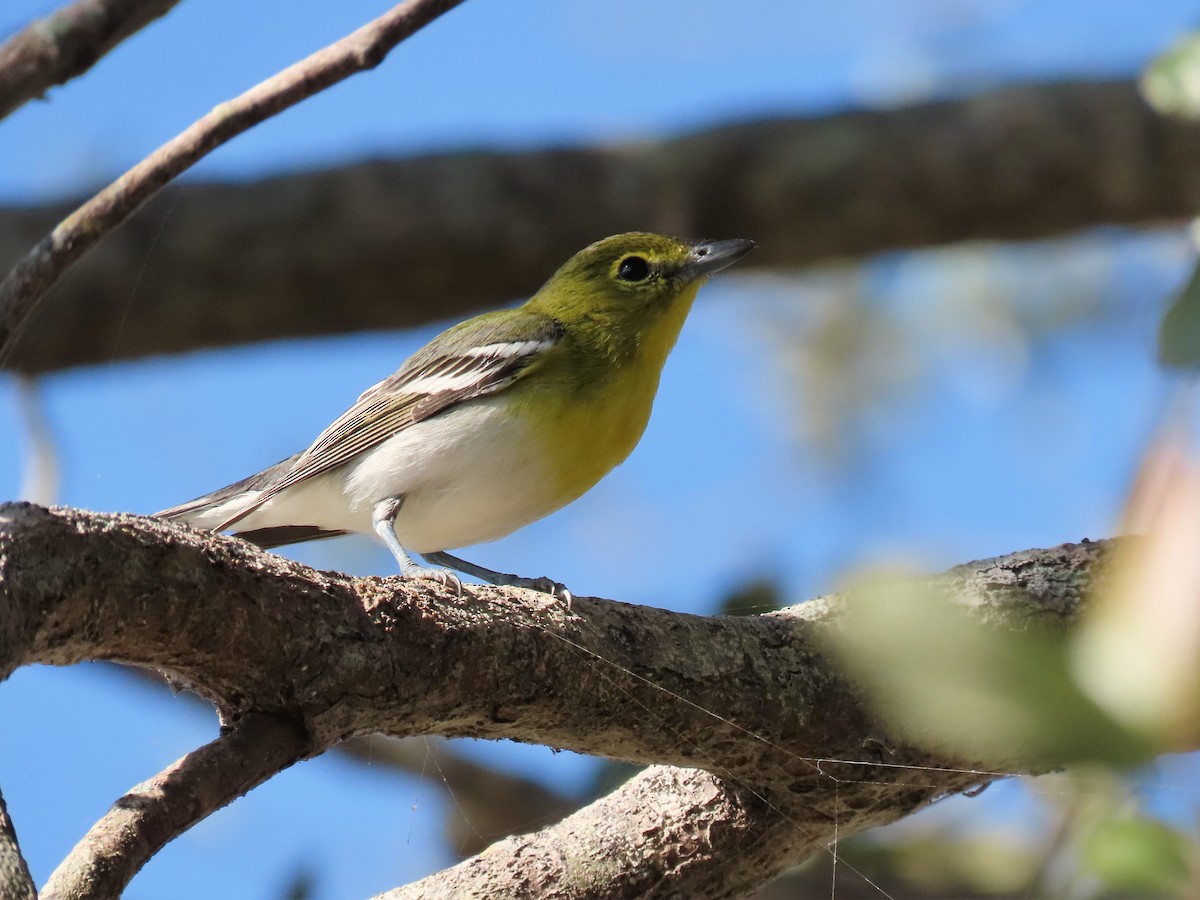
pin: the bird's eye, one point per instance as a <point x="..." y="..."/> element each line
<point x="633" y="268"/>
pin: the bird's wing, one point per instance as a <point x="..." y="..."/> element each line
<point x="442" y="375"/>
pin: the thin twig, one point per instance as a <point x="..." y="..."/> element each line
<point x="143" y="821"/>
<point x="15" y="881"/>
<point x="67" y="43"/>
<point x="364" y="49"/>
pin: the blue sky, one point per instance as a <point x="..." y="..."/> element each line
<point x="529" y="72"/>
<point x="1010" y="437"/>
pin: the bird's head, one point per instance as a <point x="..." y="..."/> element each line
<point x="632" y="281"/>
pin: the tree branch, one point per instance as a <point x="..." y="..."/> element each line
<point x="411" y="241"/>
<point x="364" y="49"/>
<point x="67" y="43"/>
<point x="667" y="833"/>
<point x="752" y="701"/>
<point x="155" y="812"/>
<point x="15" y="881"/>
<point x="362" y="656"/>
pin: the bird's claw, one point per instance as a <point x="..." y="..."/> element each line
<point x="444" y="577"/>
<point x="450" y="580"/>
<point x="555" y="589"/>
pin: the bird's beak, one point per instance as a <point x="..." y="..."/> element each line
<point x="709" y="257"/>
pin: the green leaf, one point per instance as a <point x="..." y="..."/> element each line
<point x="1139" y="856"/>
<point x="1002" y="697"/>
<point x="1171" y="83"/>
<point x="1179" y="336"/>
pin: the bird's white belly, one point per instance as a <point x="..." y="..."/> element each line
<point x="469" y="475"/>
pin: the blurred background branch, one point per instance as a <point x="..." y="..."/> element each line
<point x="394" y="243"/>
<point x="486" y="803"/>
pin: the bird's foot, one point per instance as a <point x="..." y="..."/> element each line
<point x="444" y="577"/>
<point x="555" y="589"/>
<point x="543" y="585"/>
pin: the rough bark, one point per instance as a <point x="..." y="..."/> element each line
<point x="15" y="881"/>
<point x="388" y="244"/>
<point x="745" y="717"/>
<point x="667" y="833"/>
<point x="67" y="43"/>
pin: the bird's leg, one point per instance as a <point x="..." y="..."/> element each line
<point x="545" y="585"/>
<point x="383" y="520"/>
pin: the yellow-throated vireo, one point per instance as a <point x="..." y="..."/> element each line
<point x="494" y="423"/>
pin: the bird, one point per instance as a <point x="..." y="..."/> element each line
<point x="495" y="423"/>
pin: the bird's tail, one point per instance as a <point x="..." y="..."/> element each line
<point x="228" y="503"/>
<point x="211" y="510"/>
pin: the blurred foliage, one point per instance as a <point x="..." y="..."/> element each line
<point x="999" y="697"/>
<point x="1105" y="844"/>
<point x="858" y="345"/>
<point x="1179" y="336"/>
<point x="1138" y="855"/>
<point x="1171" y="83"/>
<point x="1099" y="846"/>
<point x="1138" y="650"/>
